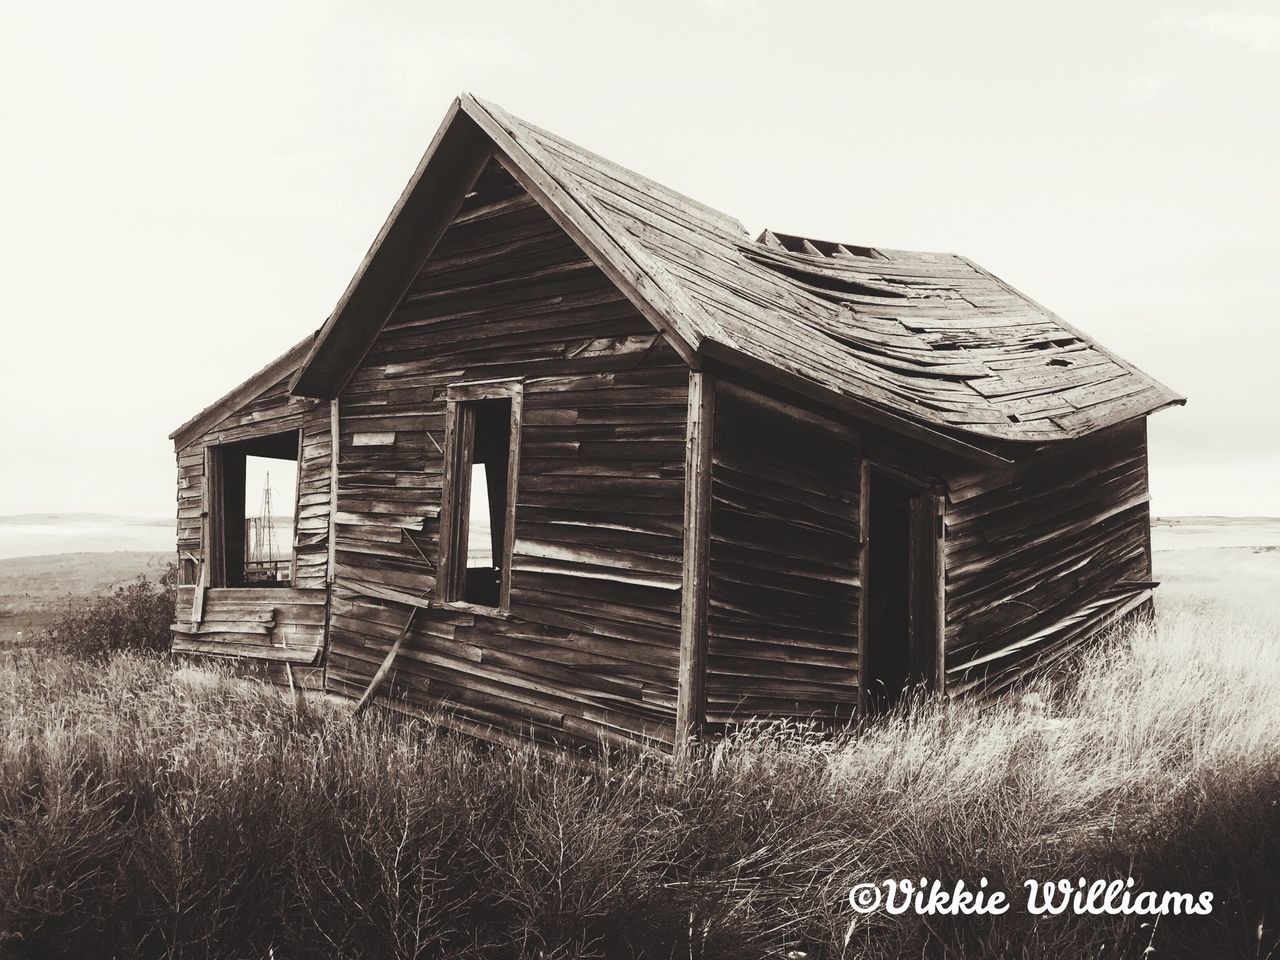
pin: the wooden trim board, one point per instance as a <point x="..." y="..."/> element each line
<point x="691" y="699"/>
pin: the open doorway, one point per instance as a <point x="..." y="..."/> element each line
<point x="254" y="511"/>
<point x="900" y="648"/>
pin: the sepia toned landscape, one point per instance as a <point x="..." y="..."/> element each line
<point x="709" y="481"/>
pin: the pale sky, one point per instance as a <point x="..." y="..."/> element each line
<point x="185" y="189"/>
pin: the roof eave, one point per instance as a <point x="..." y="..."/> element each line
<point x="870" y="413"/>
<point x="240" y="394"/>
<point x="1171" y="397"/>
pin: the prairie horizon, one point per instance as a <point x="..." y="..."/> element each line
<point x="51" y="534"/>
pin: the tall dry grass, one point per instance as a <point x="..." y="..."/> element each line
<point x="148" y="811"/>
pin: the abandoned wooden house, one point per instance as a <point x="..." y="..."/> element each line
<point x="578" y="460"/>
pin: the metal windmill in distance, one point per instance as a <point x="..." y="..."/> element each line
<point x="265" y="547"/>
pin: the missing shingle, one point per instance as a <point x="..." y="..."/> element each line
<point x="824" y="284"/>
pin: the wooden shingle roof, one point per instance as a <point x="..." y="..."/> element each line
<point x="929" y="339"/>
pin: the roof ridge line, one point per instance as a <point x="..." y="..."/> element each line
<point x="701" y="325"/>
<point x="728" y="219"/>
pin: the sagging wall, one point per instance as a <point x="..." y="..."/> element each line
<point x="1040" y="557"/>
<point x="784" y="586"/>
<point x="589" y="650"/>
<point x="276" y="625"/>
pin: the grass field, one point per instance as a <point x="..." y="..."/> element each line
<point x="150" y="811"/>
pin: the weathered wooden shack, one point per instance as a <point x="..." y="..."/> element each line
<point x="580" y="460"/>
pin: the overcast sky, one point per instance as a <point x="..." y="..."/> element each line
<point x="186" y="189"/>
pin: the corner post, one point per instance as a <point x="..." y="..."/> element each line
<point x="691" y="700"/>
<point x="940" y="590"/>
<point x="334" y="426"/>
<point x="864" y="557"/>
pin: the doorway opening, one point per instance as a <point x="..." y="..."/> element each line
<point x="900" y="649"/>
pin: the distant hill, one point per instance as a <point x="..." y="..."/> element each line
<point x="46" y="534"/>
<point x="1213" y="533"/>
<point x="1211" y="519"/>
<point x="26" y="519"/>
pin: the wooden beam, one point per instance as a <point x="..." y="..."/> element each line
<point x="197" y="597"/>
<point x="297" y="510"/>
<point x="206" y="534"/>
<point x="940" y="590"/>
<point x="864" y="557"/>
<point x="1146" y="488"/>
<point x="691" y="699"/>
<point x="455" y="501"/>
<point x="513" y="485"/>
<point x="485" y="389"/>
<point x="370" y="691"/>
<point x="426" y="207"/>
<point x="333" y="488"/>
<point x="215" y="520"/>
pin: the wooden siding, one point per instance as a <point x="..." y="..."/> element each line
<point x="589" y="649"/>
<point x="280" y="624"/>
<point x="271" y="411"/>
<point x="1041" y="556"/>
<point x="784" y="563"/>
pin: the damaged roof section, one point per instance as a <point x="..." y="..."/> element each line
<point x="931" y="342"/>
<point x="927" y="335"/>
<point x="941" y="333"/>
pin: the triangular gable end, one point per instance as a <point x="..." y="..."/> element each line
<point x="469" y="136"/>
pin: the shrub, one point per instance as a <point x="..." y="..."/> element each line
<point x="134" y="617"/>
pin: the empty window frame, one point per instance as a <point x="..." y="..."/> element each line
<point x="477" y="517"/>
<point x="253" y="506"/>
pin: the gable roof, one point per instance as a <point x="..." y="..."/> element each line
<point x="282" y="366"/>
<point x="927" y="342"/>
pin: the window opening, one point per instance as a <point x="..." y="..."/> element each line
<point x="475" y="567"/>
<point x="255" y="505"/>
